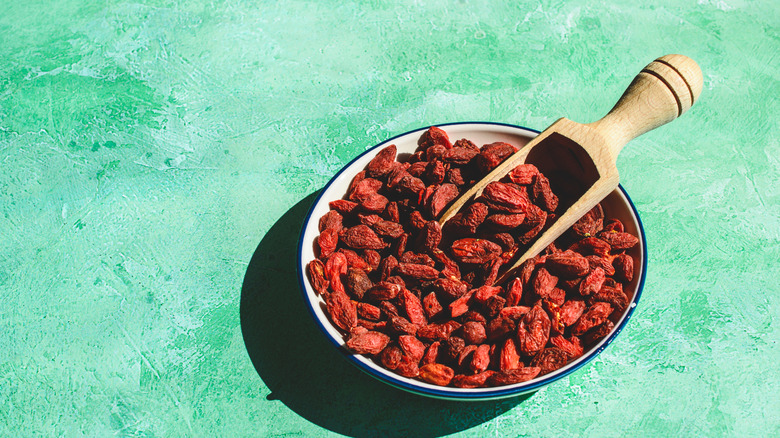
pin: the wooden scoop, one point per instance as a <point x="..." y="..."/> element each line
<point x="587" y="154"/>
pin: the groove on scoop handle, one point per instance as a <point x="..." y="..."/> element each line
<point x="661" y="92"/>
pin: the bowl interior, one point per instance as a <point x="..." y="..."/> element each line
<point x="616" y="205"/>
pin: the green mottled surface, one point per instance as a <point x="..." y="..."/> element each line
<point x="148" y="151"/>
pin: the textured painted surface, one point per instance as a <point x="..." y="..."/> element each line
<point x="151" y="151"/>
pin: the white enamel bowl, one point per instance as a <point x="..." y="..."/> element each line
<point x="617" y="205"/>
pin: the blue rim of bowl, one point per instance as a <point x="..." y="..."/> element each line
<point x="444" y="393"/>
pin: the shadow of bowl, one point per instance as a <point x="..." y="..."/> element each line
<point x="303" y="370"/>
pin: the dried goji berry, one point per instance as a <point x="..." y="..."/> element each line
<point x="471" y="380"/>
<point x="572" y="346"/>
<point x="331" y="220"/>
<point x="343" y="206"/>
<point x="437" y="374"/>
<point x="614" y="225"/>
<point x="437" y="332"/>
<point x="509" y="377"/>
<point x="452" y="346"/>
<point x="429" y="236"/>
<point x="327" y="242"/>
<point x="431" y="305"/>
<point x="461" y="305"/>
<point x="619" y="240"/>
<point x="543" y="195"/>
<point x="335" y="267"/>
<point x="414" y="308"/>
<point x="593" y="282"/>
<point x="365" y="188"/>
<point x="381" y="164"/>
<point x="499" y="327"/>
<point x="567" y="264"/>
<point x="523" y="174"/>
<point x="533" y="331"/>
<point x="391" y="357"/>
<point x="474" y="332"/>
<point x="449" y="289"/>
<point x="407" y="367"/>
<point x="614" y="296"/>
<point x="480" y="359"/>
<point x="383" y="290"/>
<point x="412" y="347"/>
<point x="342" y="311"/>
<point x="598" y="333"/>
<point x="417" y="272"/>
<point x="470" y="250"/>
<point x="370" y="342"/>
<point x="514" y="292"/>
<point x="504" y="195"/>
<point x="431" y="354"/>
<point x="550" y="359"/>
<point x="402" y="325"/>
<point x="624" y="267"/>
<point x="357" y="283"/>
<point x="362" y="237"/>
<point x="372" y="258"/>
<point x="491" y="155"/>
<point x="435" y="172"/>
<point x="440" y="198"/>
<point x="316" y="271"/>
<point x="434" y="136"/>
<point x="505" y="221"/>
<point x="571" y="311"/>
<point x="594" y="316"/>
<point x="513" y="312"/>
<point x="544" y="282"/>
<point x="459" y="155"/>
<point x="368" y="311"/>
<point x="510" y="358"/>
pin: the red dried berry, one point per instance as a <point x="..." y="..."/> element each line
<point x="594" y="316"/>
<point x="508" y="196"/>
<point x="357" y="283"/>
<point x="533" y="331"/>
<point x="440" y="198"/>
<point x="543" y="195"/>
<point x="491" y="155"/>
<point x="619" y="240"/>
<point x="474" y="332"/>
<point x="510" y="377"/>
<point x="437" y="374"/>
<point x="414" y="308"/>
<point x="381" y="164"/>
<point x="523" y="174"/>
<point x="316" y="272"/>
<point x="593" y="282"/>
<point x="431" y="305"/>
<point x="510" y="358"/>
<point x="362" y="237"/>
<point x="327" y="242"/>
<point x="342" y="311"/>
<point x="470" y="250"/>
<point x="434" y="136"/>
<point x="567" y="264"/>
<point x="370" y="343"/>
<point x="550" y="359"/>
<point x="624" y="267"/>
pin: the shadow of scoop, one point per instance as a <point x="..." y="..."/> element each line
<point x="308" y="375"/>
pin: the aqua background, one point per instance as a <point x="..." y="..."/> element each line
<point x="157" y="158"/>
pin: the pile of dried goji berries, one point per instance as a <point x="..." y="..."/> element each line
<point x="420" y="300"/>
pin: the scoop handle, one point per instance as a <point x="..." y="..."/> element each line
<point x="660" y="93"/>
